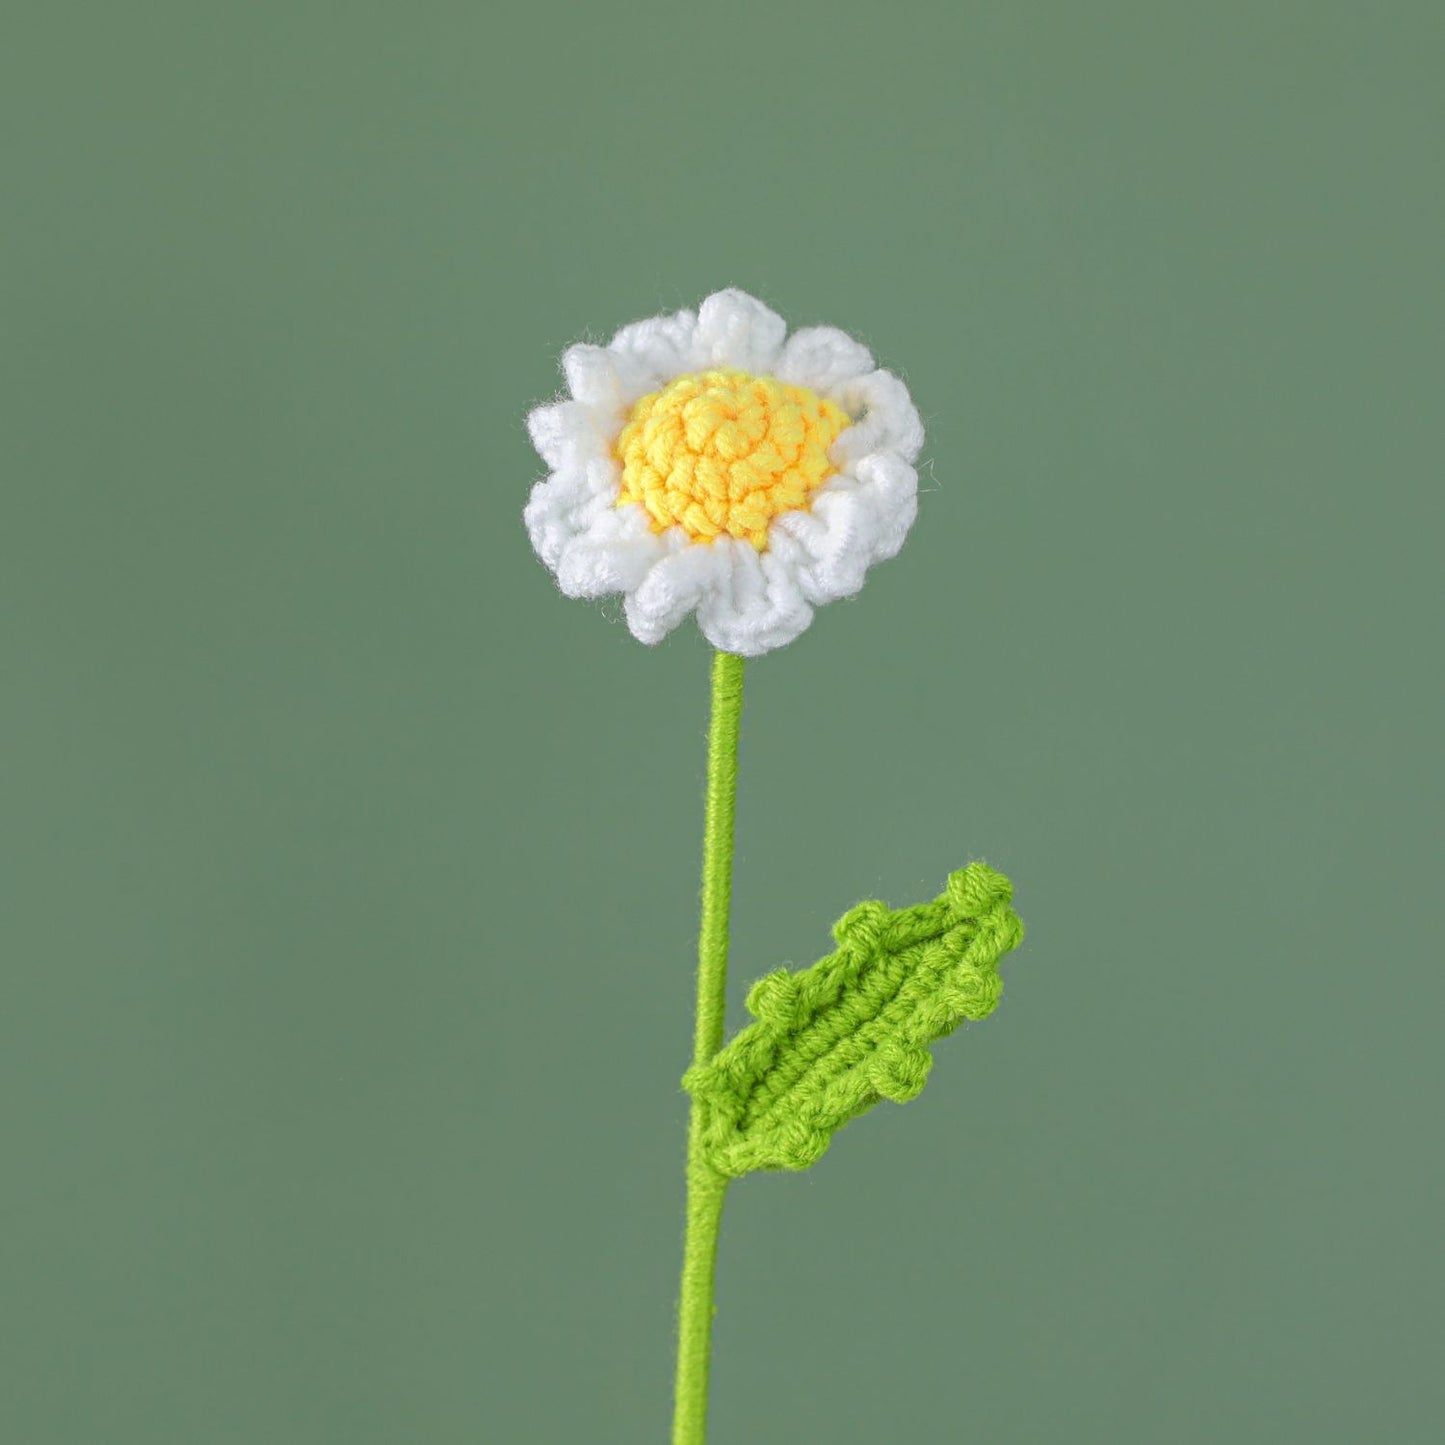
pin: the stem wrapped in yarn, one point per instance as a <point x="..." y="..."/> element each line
<point x="832" y="1040"/>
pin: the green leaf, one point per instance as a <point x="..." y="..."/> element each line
<point x="833" y="1039"/>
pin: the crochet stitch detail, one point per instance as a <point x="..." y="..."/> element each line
<point x="831" y="1040"/>
<point x="723" y="452"/>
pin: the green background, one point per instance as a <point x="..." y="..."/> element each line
<point x="350" y="871"/>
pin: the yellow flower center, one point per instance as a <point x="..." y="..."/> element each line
<point x="726" y="452"/>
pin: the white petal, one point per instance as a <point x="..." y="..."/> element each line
<point x="854" y="521"/>
<point x="822" y="358"/>
<point x="735" y="329"/>
<point x="672" y="588"/>
<point x="887" y="419"/>
<point x="754" y="604"/>
<point x="596" y="376"/>
<point x="565" y="506"/>
<point x="892" y="487"/>
<point x="551" y="515"/>
<point x="566" y="434"/>
<point x="826" y="549"/>
<point x="657" y="349"/>
<point x="614" y="554"/>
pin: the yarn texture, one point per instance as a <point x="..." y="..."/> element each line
<point x="832" y="1040"/>
<point x="726" y="452"/>
<point x="708" y="463"/>
<point x="706" y="1187"/>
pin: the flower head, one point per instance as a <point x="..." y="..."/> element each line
<point x="711" y="463"/>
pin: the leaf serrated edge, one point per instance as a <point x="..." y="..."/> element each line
<point x="973" y="913"/>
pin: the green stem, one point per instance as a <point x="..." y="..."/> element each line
<point x="706" y="1188"/>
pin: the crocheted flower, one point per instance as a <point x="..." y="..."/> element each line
<point x="711" y="463"/>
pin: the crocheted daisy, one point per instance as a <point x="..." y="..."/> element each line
<point x="710" y="463"/>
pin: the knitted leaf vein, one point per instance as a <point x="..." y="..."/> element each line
<point x="830" y="1041"/>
